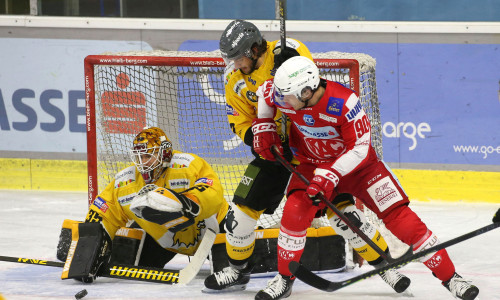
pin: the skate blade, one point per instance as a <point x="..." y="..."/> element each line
<point x="238" y="287"/>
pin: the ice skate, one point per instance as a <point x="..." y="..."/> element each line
<point x="277" y="288"/>
<point x="461" y="288"/>
<point x="228" y="279"/>
<point x="396" y="280"/>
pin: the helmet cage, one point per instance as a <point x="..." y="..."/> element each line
<point x="151" y="154"/>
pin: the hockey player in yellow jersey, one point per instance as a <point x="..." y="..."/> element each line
<point x="250" y="61"/>
<point x="173" y="196"/>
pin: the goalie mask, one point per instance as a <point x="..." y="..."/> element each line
<point x="298" y="77"/>
<point x="151" y="153"/>
<point x="237" y="40"/>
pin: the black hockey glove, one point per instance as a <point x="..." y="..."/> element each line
<point x="281" y="56"/>
<point x="496" y="218"/>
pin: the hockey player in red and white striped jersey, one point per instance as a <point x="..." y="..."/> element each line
<point x="331" y="137"/>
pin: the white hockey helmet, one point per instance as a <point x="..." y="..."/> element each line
<point x="293" y="77"/>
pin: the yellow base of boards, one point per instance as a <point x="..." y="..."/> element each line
<point x="420" y="185"/>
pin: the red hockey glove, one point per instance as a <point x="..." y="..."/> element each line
<point x="264" y="136"/>
<point x="323" y="182"/>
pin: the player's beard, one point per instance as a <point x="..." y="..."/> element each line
<point x="252" y="67"/>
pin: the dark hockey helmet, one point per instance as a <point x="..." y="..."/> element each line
<point x="238" y="38"/>
<point x="151" y="152"/>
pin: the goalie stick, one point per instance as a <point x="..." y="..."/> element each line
<point x="387" y="257"/>
<point x="320" y="283"/>
<point x="114" y="271"/>
<point x="149" y="274"/>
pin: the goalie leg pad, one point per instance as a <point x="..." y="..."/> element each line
<point x="90" y="250"/>
<point x="127" y="246"/>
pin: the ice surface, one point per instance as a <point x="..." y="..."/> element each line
<point x="30" y="224"/>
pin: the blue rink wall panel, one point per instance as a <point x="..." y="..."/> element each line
<point x="439" y="102"/>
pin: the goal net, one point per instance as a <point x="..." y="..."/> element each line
<point x="183" y="93"/>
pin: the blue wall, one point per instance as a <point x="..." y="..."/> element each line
<point x="342" y="10"/>
<point x="449" y="91"/>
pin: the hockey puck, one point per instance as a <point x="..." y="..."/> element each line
<point x="81" y="294"/>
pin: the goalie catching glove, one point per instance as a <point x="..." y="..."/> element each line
<point x="89" y="252"/>
<point x="323" y="182"/>
<point x="264" y="137"/>
<point x="175" y="211"/>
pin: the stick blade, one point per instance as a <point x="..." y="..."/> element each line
<point x="189" y="272"/>
<point x="312" y="279"/>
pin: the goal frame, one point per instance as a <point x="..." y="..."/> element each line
<point x="94" y="60"/>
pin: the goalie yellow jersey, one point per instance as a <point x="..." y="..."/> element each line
<point x="241" y="100"/>
<point x="187" y="173"/>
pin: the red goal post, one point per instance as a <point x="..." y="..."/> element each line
<point x="183" y="93"/>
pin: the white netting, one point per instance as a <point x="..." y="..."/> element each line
<point x="187" y="102"/>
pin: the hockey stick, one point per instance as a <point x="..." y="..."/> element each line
<point x="115" y="271"/>
<point x="387" y="257"/>
<point x="149" y="274"/>
<point x="282" y="16"/>
<point x="189" y="272"/>
<point x="318" y="282"/>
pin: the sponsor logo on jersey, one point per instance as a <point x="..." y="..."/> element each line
<point x="309" y="120"/>
<point x="123" y="183"/>
<point x="230" y="111"/>
<point x="253" y="82"/>
<point x="238" y="86"/>
<point x="125" y="176"/>
<point x="327" y="118"/>
<point x="354" y="111"/>
<point x="101" y="204"/>
<point x="334" y="106"/>
<point x="384" y="193"/>
<point x="204" y="180"/>
<point x="125" y="200"/>
<point x="326" y="132"/>
<point x="246" y="180"/>
<point x="181" y="160"/>
<point x="179" y="183"/>
<point x="324" y="149"/>
<point x="252" y="96"/>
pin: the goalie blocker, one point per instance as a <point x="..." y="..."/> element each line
<point x="89" y="252"/>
